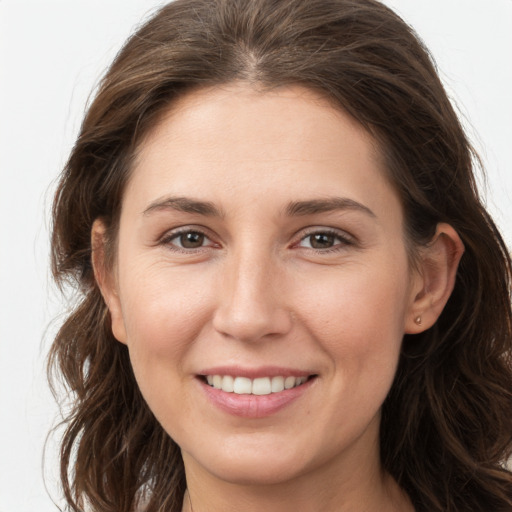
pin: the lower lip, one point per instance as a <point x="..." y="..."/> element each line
<point x="254" y="406"/>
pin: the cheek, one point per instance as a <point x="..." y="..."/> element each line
<point x="164" y="312"/>
<point x="358" y="317"/>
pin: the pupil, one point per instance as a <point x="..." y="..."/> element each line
<point x="192" y="240"/>
<point x="321" y="241"/>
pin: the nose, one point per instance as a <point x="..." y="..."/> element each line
<point x="251" y="303"/>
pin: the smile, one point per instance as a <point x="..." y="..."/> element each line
<point x="259" y="386"/>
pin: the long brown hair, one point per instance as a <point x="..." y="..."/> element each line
<point x="447" y="422"/>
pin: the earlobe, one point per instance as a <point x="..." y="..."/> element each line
<point x="105" y="278"/>
<point x="435" y="281"/>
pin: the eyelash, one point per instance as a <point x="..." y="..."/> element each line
<point x="343" y="240"/>
<point x="168" y="239"/>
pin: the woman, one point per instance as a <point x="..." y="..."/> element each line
<point x="293" y="298"/>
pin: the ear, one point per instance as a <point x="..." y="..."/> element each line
<point x="434" y="279"/>
<point x="104" y="274"/>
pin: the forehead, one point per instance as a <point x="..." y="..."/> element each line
<point x="252" y="117"/>
<point x="238" y="140"/>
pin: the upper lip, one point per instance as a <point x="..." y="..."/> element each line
<point x="256" y="372"/>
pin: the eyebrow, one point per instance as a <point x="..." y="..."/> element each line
<point x="293" y="209"/>
<point x="186" y="205"/>
<point x="313" y="206"/>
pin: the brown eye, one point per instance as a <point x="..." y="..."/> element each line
<point x="321" y="240"/>
<point x="326" y="240"/>
<point x="191" y="240"/>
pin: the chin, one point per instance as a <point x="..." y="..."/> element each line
<point x="257" y="473"/>
<point x="255" y="463"/>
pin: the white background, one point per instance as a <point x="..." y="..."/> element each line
<point x="51" y="55"/>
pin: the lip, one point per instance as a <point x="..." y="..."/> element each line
<point x="254" y="406"/>
<point x="255" y="373"/>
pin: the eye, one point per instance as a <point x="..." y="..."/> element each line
<point x="189" y="239"/>
<point x="324" y="240"/>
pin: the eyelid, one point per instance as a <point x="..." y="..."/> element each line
<point x="172" y="234"/>
<point x="345" y="238"/>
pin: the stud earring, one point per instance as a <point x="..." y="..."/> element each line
<point x="417" y="320"/>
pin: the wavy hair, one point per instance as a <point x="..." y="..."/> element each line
<point x="446" y="427"/>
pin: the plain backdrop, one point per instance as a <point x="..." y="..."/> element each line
<point x="52" y="54"/>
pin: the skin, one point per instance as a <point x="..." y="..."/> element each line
<point x="257" y="290"/>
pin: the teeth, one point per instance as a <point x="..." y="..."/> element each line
<point x="289" y="382"/>
<point x="228" y="384"/>
<point x="259" y="386"/>
<point x="277" y="384"/>
<point x="242" y="386"/>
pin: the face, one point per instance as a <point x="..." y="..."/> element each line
<point x="262" y="283"/>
